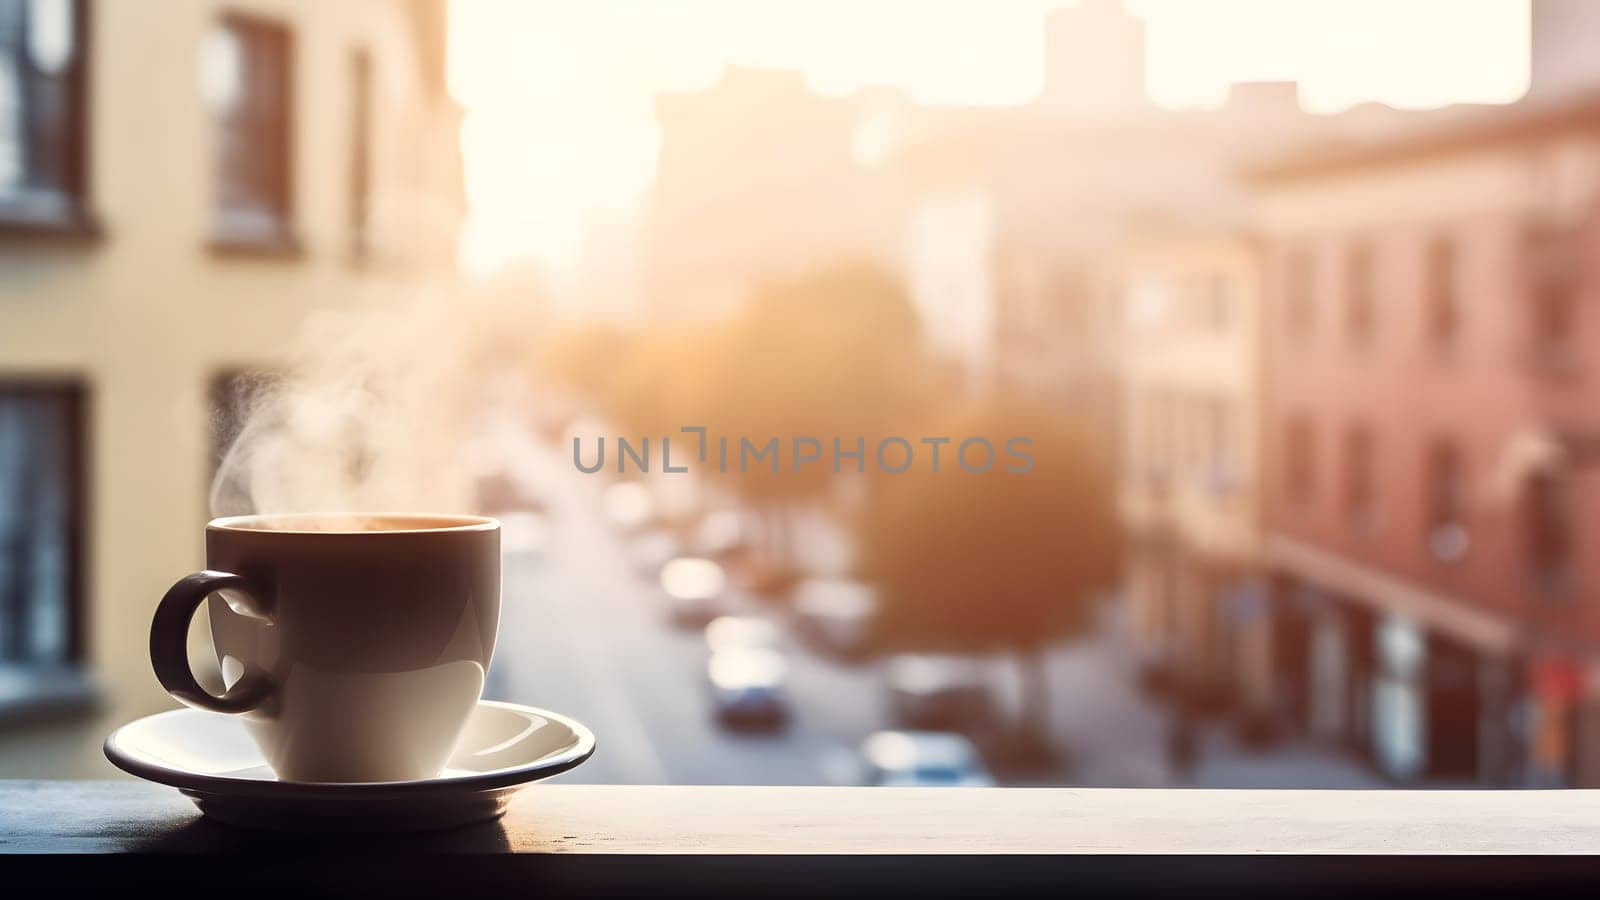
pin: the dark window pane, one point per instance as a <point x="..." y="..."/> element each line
<point x="41" y="109"/>
<point x="1359" y="290"/>
<point x="37" y="518"/>
<point x="1550" y="525"/>
<point x="235" y="393"/>
<point x="248" y="72"/>
<point x="13" y="96"/>
<point x="1360" y="498"/>
<point x="1446" y="500"/>
<point x="1443" y="293"/>
<point x="1554" y="311"/>
<point x="1552" y="259"/>
<point x="1301" y="294"/>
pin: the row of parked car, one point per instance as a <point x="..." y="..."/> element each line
<point x="936" y="702"/>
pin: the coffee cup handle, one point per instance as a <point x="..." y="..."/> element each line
<point x="169" y="646"/>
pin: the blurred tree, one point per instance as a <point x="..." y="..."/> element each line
<point x="664" y="382"/>
<point x="975" y="561"/>
<point x="582" y="359"/>
<point x="830" y="354"/>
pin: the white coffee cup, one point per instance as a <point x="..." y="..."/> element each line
<point x="353" y="646"/>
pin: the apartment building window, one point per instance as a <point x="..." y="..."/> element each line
<point x="234" y="394"/>
<point x="1299" y="470"/>
<point x="43" y="84"/>
<point x="248" y="77"/>
<point x="1300" y="294"/>
<point x="1360" y="496"/>
<point x="1219" y="450"/>
<point x="1446" y="503"/>
<point x="1160" y="437"/>
<point x="360" y="203"/>
<point x="1443" y="294"/>
<point x="41" y="523"/>
<point x="1360" y="291"/>
<point x="1550" y="261"/>
<point x="1550" y="524"/>
<point x="1555" y="315"/>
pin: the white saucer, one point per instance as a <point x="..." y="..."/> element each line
<point x="212" y="760"/>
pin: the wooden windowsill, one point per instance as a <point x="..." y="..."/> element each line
<point x="799" y="840"/>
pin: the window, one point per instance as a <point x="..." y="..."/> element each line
<point x="1446" y="503"/>
<point x="360" y="152"/>
<point x="1160" y="434"/>
<point x="1549" y="529"/>
<point x="43" y="78"/>
<point x="1300" y="294"/>
<point x="1443" y="294"/>
<point x="1360" y="308"/>
<point x="1360" y="498"/>
<point x="41" y="523"/>
<point x="234" y="394"/>
<point x="1555" y="314"/>
<point x="1299" y="471"/>
<point x="1219" y="451"/>
<point x="247" y="71"/>
<point x="1550" y="262"/>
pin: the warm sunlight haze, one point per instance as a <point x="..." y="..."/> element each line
<point x="559" y="137"/>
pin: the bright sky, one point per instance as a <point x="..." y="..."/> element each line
<point x="559" y="129"/>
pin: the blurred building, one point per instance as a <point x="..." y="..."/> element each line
<point x="1189" y="373"/>
<point x="760" y="178"/>
<point x="180" y="185"/>
<point x="1565" y="34"/>
<point x="1430" y="438"/>
<point x="1094" y="61"/>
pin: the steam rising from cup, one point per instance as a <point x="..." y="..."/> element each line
<point x="383" y="407"/>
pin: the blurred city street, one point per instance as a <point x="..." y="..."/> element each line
<point x="584" y="635"/>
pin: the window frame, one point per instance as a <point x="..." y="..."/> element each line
<point x="1442" y="293"/>
<point x="1360" y="294"/>
<point x="284" y="241"/>
<point x="1359" y="494"/>
<point x="1446" y="502"/>
<point x="1299" y="472"/>
<point x="1547" y="497"/>
<point x="75" y="392"/>
<point x="72" y="221"/>
<point x="1552" y="292"/>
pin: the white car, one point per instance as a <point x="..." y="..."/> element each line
<point x="652" y="549"/>
<point x="695" y="590"/>
<point x="721" y="534"/>
<point x="939" y="693"/>
<point x="747" y="687"/>
<point x="836" y="613"/>
<point x="627" y="506"/>
<point x="923" y="759"/>
<point x="741" y="632"/>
